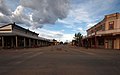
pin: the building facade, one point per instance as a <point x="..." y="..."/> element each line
<point x="14" y="36"/>
<point x="105" y="34"/>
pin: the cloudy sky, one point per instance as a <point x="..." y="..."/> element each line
<point x="56" y="19"/>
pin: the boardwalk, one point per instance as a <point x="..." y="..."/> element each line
<point x="59" y="60"/>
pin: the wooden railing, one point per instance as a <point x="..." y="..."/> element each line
<point x="98" y="33"/>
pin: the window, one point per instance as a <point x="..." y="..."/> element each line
<point x="111" y="25"/>
<point x="103" y="27"/>
<point x="92" y="31"/>
<point x="99" y="28"/>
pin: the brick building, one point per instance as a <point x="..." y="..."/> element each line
<point x="106" y="33"/>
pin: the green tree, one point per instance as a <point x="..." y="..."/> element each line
<point x="78" y="39"/>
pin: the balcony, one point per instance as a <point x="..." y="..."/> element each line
<point x="115" y="31"/>
<point x="91" y="34"/>
<point x="99" y="33"/>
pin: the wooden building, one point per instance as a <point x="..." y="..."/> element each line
<point x="14" y="36"/>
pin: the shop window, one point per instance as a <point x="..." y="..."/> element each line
<point x="101" y="41"/>
<point x="111" y="25"/>
<point x="93" y="41"/>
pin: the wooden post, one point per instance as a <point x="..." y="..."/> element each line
<point x="95" y="40"/>
<point x="2" y="42"/>
<point x="29" y="42"/>
<point x="12" y="44"/>
<point x="24" y="42"/>
<point x="37" y="43"/>
<point x="16" y="41"/>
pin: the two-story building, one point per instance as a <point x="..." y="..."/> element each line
<point x="14" y="36"/>
<point x="105" y="34"/>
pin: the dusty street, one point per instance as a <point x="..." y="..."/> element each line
<point x="59" y="60"/>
